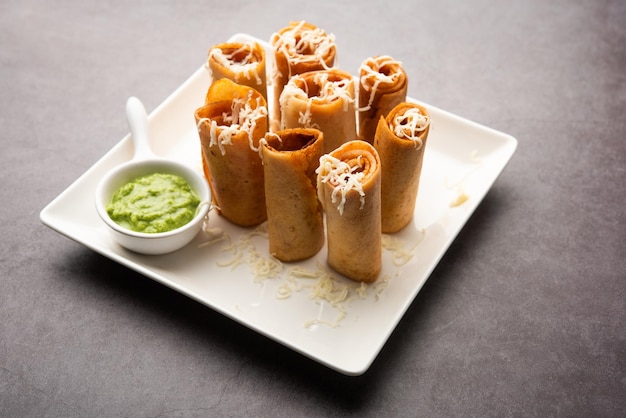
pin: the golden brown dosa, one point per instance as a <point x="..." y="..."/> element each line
<point x="294" y="213"/>
<point x="401" y="159"/>
<point x="242" y="62"/>
<point x="383" y="84"/>
<point x="298" y="48"/>
<point x="230" y="126"/>
<point x="352" y="213"/>
<point x="323" y="100"/>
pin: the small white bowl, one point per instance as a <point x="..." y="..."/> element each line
<point x="145" y="163"/>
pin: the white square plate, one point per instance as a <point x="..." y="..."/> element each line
<point x="462" y="158"/>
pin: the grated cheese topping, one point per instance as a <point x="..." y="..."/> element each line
<point x="243" y="117"/>
<point x="410" y="125"/>
<point x="292" y="91"/>
<point x="327" y="91"/>
<point x="342" y="177"/>
<point x="241" y="60"/>
<point x="373" y="68"/>
<point x="301" y="44"/>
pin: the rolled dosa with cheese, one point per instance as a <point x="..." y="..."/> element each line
<point x="349" y="186"/>
<point x="230" y="125"/>
<point x="298" y="48"/>
<point x="242" y="62"/>
<point x="294" y="213"/>
<point x="324" y="100"/>
<point x="400" y="141"/>
<point x="383" y="84"/>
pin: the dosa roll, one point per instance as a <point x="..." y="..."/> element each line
<point x="294" y="213"/>
<point x="349" y="185"/>
<point x="383" y="84"/>
<point x="230" y="126"/>
<point x="400" y="141"/>
<point x="323" y="100"/>
<point x="298" y="48"/>
<point x="241" y="62"/>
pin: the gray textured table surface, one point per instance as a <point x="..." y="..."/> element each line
<point x="524" y="316"/>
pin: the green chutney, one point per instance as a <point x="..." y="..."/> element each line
<point x="154" y="203"/>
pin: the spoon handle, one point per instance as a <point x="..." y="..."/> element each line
<point x="138" y="123"/>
